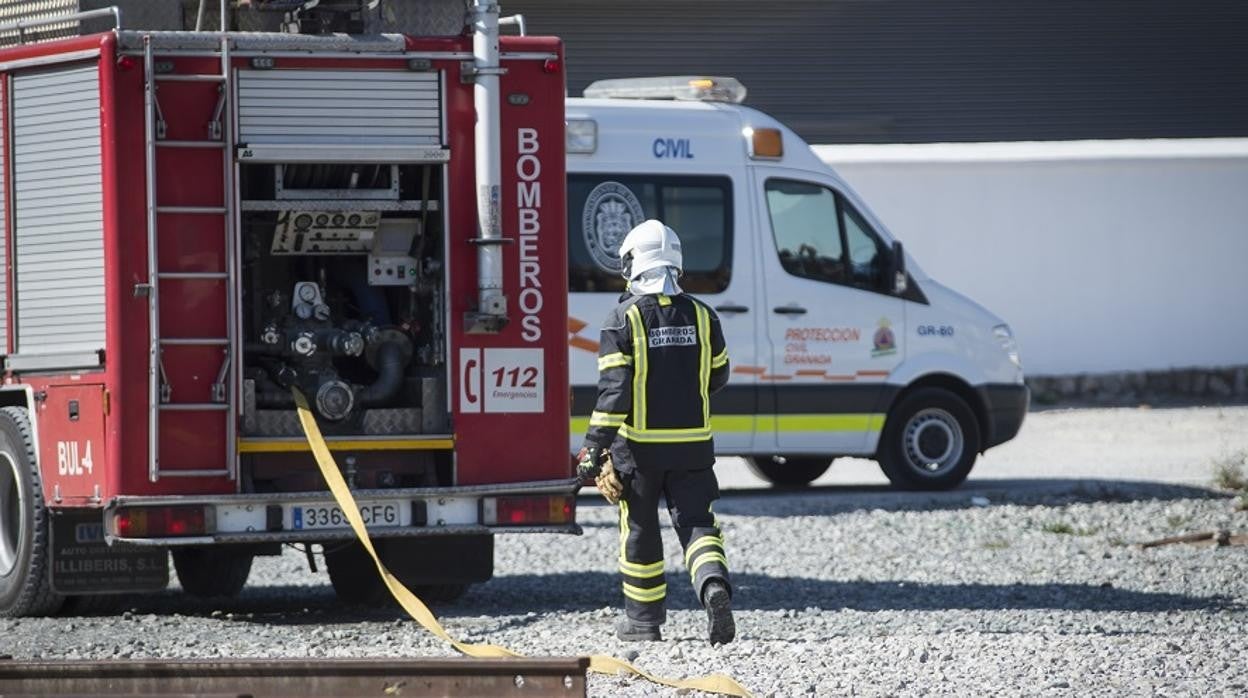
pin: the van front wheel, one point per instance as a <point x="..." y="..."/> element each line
<point x="929" y="442"/>
<point x="789" y="471"/>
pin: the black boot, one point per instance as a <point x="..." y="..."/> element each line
<point x="721" y="628"/>
<point x="632" y="631"/>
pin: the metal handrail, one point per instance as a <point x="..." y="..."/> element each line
<point x="515" y="20"/>
<point x="22" y="25"/>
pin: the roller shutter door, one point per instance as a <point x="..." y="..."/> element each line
<point x="58" y="209"/>
<point x="365" y="107"/>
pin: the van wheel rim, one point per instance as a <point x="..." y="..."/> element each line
<point x="933" y="442"/>
<point x="10" y="515"/>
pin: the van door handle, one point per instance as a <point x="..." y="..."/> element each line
<point x="790" y="310"/>
<point x="730" y="308"/>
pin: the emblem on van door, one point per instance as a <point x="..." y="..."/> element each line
<point x="885" y="342"/>
<point x="611" y="210"/>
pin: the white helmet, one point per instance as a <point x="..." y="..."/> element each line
<point x="650" y="245"/>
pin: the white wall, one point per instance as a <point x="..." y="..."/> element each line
<point x="1102" y="255"/>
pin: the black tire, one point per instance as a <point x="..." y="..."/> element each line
<point x="794" y="471"/>
<point x="930" y="441"/>
<point x="354" y="576"/>
<point x="25" y="557"/>
<point x="212" y="572"/>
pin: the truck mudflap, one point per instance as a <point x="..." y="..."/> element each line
<point x="169" y="521"/>
<point x="84" y="563"/>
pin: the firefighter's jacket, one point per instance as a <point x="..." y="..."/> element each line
<point x="659" y="360"/>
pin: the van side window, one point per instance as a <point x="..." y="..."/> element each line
<point x="602" y="208"/>
<point x="804" y="220"/>
<point x="867" y="253"/>
<point x="819" y="235"/>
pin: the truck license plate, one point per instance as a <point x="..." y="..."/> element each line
<point x="330" y="516"/>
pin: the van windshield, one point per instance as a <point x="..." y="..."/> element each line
<point x="602" y="208"/>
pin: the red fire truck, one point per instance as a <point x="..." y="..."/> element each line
<point x="360" y="200"/>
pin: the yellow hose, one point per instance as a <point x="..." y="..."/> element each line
<point x="600" y="663"/>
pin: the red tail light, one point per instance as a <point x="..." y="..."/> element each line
<point x="538" y="510"/>
<point x="164" y="522"/>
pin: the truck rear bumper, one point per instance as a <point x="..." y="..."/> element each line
<point x="288" y="517"/>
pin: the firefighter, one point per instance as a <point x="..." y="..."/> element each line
<point x="662" y="354"/>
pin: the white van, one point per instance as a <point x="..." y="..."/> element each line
<point x="840" y="345"/>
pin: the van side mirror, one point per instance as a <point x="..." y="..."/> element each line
<point x="897" y="269"/>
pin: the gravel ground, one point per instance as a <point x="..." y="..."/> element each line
<point x="993" y="589"/>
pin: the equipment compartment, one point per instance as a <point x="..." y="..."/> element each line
<point x="343" y="298"/>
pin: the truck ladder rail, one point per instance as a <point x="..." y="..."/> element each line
<point x="193" y="407"/>
<point x="224" y="472"/>
<point x="160" y="390"/>
<point x="207" y="145"/>
<point x="193" y="275"/>
<point x="191" y="78"/>
<point x="195" y="341"/>
<point x="197" y="210"/>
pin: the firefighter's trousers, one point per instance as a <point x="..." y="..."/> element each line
<point x="689" y="495"/>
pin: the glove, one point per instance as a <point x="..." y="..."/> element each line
<point x="588" y="464"/>
<point x="594" y="466"/>
<point x="608" y="482"/>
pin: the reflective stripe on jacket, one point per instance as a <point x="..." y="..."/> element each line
<point x="659" y="360"/>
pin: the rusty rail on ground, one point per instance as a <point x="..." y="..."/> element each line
<point x="304" y="678"/>
<point x="1220" y="539"/>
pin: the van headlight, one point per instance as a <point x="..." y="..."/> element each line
<point x="1006" y="339"/>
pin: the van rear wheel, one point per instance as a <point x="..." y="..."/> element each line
<point x="930" y="441"/>
<point x="789" y="471"/>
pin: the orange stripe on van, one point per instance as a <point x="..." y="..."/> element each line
<point x="811" y="372"/>
<point x="874" y="374"/>
<point x="749" y="370"/>
<point x="575" y="325"/>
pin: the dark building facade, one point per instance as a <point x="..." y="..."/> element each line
<point x="913" y="71"/>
